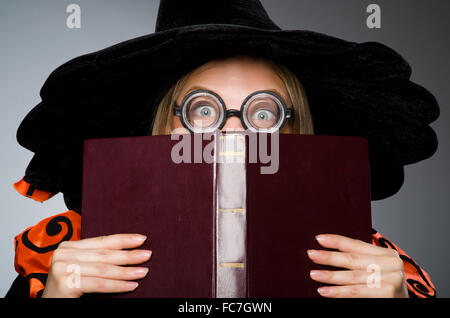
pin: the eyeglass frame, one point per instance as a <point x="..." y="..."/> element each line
<point x="288" y="112"/>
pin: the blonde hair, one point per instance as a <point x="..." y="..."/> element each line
<point x="303" y="124"/>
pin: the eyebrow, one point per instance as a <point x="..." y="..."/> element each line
<point x="273" y="90"/>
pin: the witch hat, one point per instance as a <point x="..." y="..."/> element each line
<point x="353" y="89"/>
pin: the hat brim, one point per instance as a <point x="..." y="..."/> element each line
<point x="354" y="89"/>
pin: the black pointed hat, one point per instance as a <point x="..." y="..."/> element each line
<point x="355" y="89"/>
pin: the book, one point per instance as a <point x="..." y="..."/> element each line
<point x="227" y="215"/>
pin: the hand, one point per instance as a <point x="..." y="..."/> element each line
<point x="93" y="266"/>
<point x="372" y="271"/>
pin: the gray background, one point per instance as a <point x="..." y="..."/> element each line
<point x="35" y="40"/>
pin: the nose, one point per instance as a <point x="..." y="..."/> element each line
<point x="233" y="123"/>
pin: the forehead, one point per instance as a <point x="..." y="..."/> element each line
<point x="238" y="67"/>
<point x="235" y="77"/>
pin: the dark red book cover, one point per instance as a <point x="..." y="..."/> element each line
<point x="225" y="229"/>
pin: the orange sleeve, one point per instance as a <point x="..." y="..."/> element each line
<point x="34" y="247"/>
<point x="28" y="190"/>
<point x="418" y="281"/>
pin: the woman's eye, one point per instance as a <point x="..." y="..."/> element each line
<point x="263" y="115"/>
<point x="204" y="111"/>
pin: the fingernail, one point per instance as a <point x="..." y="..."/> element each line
<point x="324" y="291"/>
<point x="312" y="253"/>
<point x="141" y="270"/>
<point x="145" y="253"/>
<point x="132" y="285"/>
<point x="139" y="238"/>
<point x="316" y="274"/>
<point x="321" y="237"/>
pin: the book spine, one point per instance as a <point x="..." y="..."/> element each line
<point x="231" y="280"/>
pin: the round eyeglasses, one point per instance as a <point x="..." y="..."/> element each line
<point x="204" y="111"/>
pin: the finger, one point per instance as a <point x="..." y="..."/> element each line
<point x="357" y="277"/>
<point x="115" y="241"/>
<point x="102" y="285"/>
<point x="356" y="291"/>
<point x="109" y="271"/>
<point x="347" y="244"/>
<point x="347" y="277"/>
<point x="114" y="257"/>
<point x="356" y="261"/>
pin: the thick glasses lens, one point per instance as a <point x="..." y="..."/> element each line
<point x="263" y="112"/>
<point x="203" y="112"/>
